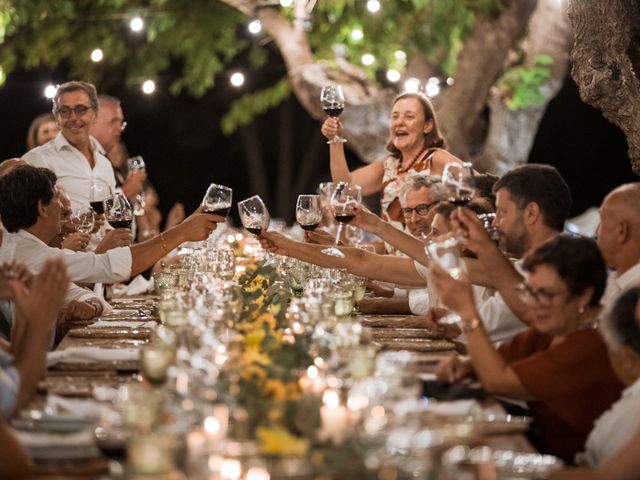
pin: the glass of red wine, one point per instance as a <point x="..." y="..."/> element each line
<point x="344" y="201"/>
<point x="254" y="215"/>
<point x="217" y="200"/>
<point x="459" y="182"/>
<point x="308" y="211"/>
<point x="98" y="193"/>
<point x="332" y="100"/>
<point x="118" y="211"/>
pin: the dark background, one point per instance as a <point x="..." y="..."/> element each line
<point x="185" y="150"/>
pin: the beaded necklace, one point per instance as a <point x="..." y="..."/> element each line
<point x="415" y="159"/>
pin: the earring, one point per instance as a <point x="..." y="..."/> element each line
<point x="581" y="309"/>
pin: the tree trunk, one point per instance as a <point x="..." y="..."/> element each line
<point x="511" y="133"/>
<point x="481" y="62"/>
<point x="606" y="63"/>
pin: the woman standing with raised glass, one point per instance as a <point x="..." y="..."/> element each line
<point x="415" y="145"/>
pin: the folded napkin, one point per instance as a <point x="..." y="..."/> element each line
<point x="135" y="287"/>
<point x="95" y="354"/>
<point x="122" y="323"/>
<point x="37" y="439"/>
<point x="455" y="407"/>
<point x="82" y="408"/>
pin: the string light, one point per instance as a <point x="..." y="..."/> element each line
<point x="357" y="34"/>
<point x="400" y="55"/>
<point x="368" y="59"/>
<point x="149" y="87"/>
<point x="136" y="24"/>
<point x="255" y="27"/>
<point x="50" y="91"/>
<point x="237" y="79"/>
<point x="373" y="6"/>
<point x="432" y="89"/>
<point x="97" y="55"/>
<point x="286" y="3"/>
<point x="393" y="75"/>
<point x="412" y="85"/>
<point x="435" y="80"/>
<point x="450" y="81"/>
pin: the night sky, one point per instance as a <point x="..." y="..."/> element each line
<point x="185" y="150"/>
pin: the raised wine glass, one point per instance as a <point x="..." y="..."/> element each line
<point x="308" y="211"/>
<point x="217" y="200"/>
<point x="254" y="215"/>
<point x="459" y="182"/>
<point x="136" y="164"/>
<point x="83" y="220"/>
<point x="344" y="201"/>
<point x="332" y="100"/>
<point x="118" y="211"/>
<point x="98" y="193"/>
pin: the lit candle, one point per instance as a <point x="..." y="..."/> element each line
<point x="311" y="383"/>
<point x="257" y="473"/>
<point x="334" y="418"/>
<point x="216" y="423"/>
<point x="182" y="382"/>
<point x="230" y="469"/>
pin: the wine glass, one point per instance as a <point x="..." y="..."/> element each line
<point x="344" y="201"/>
<point x="308" y="211"/>
<point x="83" y="220"/>
<point x="217" y="200"/>
<point x="136" y="164"/>
<point x="459" y="182"/>
<point x="118" y="211"/>
<point x="332" y="100"/>
<point x="98" y="193"/>
<point x="254" y="215"/>
<point x="446" y="252"/>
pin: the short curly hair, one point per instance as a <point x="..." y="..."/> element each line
<point x="20" y="192"/>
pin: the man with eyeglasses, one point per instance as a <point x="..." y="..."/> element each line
<point x="77" y="159"/>
<point x="108" y="129"/>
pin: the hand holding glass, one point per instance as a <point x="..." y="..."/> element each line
<point x="308" y="211"/>
<point x="332" y="100"/>
<point x="343" y="206"/>
<point x="118" y="211"/>
<point x="254" y="215"/>
<point x="217" y="200"/>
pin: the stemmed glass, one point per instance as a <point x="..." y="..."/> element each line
<point x="136" y="164"/>
<point x="98" y="193"/>
<point x="344" y="201"/>
<point x="308" y="211"/>
<point x="217" y="200"/>
<point x="254" y="215"/>
<point x="83" y="220"/>
<point x="118" y="211"/>
<point x="459" y="181"/>
<point x="332" y="100"/>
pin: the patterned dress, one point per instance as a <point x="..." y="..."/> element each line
<point x="393" y="181"/>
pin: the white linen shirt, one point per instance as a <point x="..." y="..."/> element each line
<point x="499" y="321"/>
<point x="82" y="267"/>
<point x="616" y="284"/>
<point x="613" y="429"/>
<point x="72" y="168"/>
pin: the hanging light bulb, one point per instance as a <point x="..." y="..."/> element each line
<point x="149" y="87"/>
<point x="50" y="91"/>
<point x="393" y="75"/>
<point x="97" y="55"/>
<point x="254" y="27"/>
<point x="237" y="79"/>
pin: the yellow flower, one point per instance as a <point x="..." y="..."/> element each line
<point x="275" y="308"/>
<point x="267" y="318"/>
<point x="253" y="372"/>
<point x="278" y="441"/>
<point x="254" y="356"/>
<point x="275" y="414"/>
<point x="294" y="391"/>
<point x="253" y="340"/>
<point x="276" y="390"/>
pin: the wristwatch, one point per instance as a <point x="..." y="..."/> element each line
<point x="469" y="324"/>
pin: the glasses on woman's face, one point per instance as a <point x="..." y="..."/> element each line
<point x="541" y="297"/>
<point x="79" y="110"/>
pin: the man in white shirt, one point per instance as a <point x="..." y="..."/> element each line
<point x="30" y="211"/>
<point x="76" y="158"/>
<point x="619" y="239"/>
<point x="615" y="427"/>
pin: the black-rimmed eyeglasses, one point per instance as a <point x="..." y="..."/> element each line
<point x="79" y="110"/>
<point x="422" y="209"/>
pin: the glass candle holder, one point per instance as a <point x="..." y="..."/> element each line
<point x="155" y="359"/>
<point x="343" y="303"/>
<point x="164" y="281"/>
<point x="173" y="308"/>
<point x="152" y="454"/>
